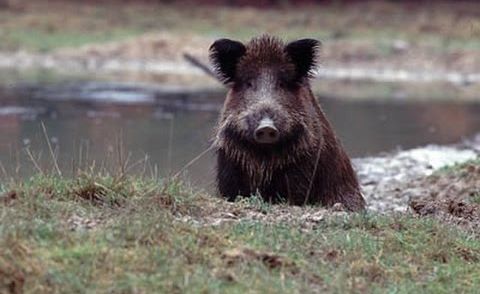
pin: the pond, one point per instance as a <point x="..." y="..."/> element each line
<point x="108" y="123"/>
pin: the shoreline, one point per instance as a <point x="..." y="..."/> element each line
<point x="23" y="61"/>
<point x="385" y="176"/>
<point x="340" y="82"/>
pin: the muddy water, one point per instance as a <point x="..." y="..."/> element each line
<point x="88" y="122"/>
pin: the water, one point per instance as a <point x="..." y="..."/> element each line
<point x="88" y="122"/>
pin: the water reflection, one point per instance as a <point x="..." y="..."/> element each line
<point x="174" y="130"/>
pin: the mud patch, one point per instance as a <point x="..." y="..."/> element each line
<point x="389" y="182"/>
<point x="220" y="212"/>
<point x="11" y="279"/>
<point x="80" y="223"/>
<point x="270" y="260"/>
<point x="458" y="184"/>
<point x="449" y="195"/>
<point x="458" y="213"/>
<point x="9" y="197"/>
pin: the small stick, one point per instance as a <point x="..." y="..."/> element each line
<point x="313" y="178"/>
<point x="170" y="143"/>
<point x="52" y="154"/>
<point x="4" y="171"/>
<point x="145" y="163"/>
<point x="192" y="162"/>
<point x="202" y="66"/>
<point x="135" y="164"/>
<point x="34" y="161"/>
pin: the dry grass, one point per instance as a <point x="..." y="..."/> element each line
<point x="361" y="32"/>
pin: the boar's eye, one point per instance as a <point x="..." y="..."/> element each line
<point x="303" y="53"/>
<point x="224" y="55"/>
<point x="285" y="80"/>
<point x="243" y="84"/>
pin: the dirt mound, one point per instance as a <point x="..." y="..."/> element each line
<point x="458" y="213"/>
<point x="451" y="196"/>
<point x="389" y="182"/>
<point x="155" y="46"/>
<point x="460" y="184"/>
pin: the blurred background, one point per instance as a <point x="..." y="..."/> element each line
<point x="111" y="77"/>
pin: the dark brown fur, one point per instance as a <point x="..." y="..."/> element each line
<point x="308" y="164"/>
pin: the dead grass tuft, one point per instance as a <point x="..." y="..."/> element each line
<point x="96" y="194"/>
<point x="11" y="278"/>
<point x="9" y="197"/>
<point x="332" y="255"/>
<point x="468" y="254"/>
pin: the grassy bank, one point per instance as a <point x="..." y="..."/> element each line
<point x="361" y="40"/>
<point x="47" y="25"/>
<point x="129" y="235"/>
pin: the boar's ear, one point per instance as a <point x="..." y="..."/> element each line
<point x="303" y="54"/>
<point x="224" y="55"/>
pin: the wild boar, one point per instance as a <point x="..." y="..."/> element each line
<point x="273" y="138"/>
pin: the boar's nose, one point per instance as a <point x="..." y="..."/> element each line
<point x="266" y="132"/>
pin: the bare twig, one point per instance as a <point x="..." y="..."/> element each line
<point x="177" y="174"/>
<point x="17" y="164"/>
<point x="202" y="66"/>
<point x="34" y="161"/>
<point x="52" y="154"/>
<point x="4" y="171"/>
<point x="135" y="164"/>
<point x="145" y="163"/>
<point x="310" y="185"/>
<point x="170" y="144"/>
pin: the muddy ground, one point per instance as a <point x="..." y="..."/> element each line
<point x="432" y="181"/>
<point x="158" y="54"/>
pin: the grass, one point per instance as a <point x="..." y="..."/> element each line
<point x="458" y="182"/>
<point x="107" y="231"/>
<point x="100" y="233"/>
<point x="37" y="26"/>
<point x="476" y="198"/>
<point x="458" y="168"/>
<point x="36" y="39"/>
<point x="437" y="37"/>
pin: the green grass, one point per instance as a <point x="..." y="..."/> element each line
<point x="151" y="236"/>
<point x="39" y="40"/>
<point x="458" y="167"/>
<point x="476" y="198"/>
<point x="45" y="26"/>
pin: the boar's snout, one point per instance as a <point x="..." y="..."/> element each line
<point x="266" y="132"/>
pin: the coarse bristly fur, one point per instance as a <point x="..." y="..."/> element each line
<point x="307" y="165"/>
